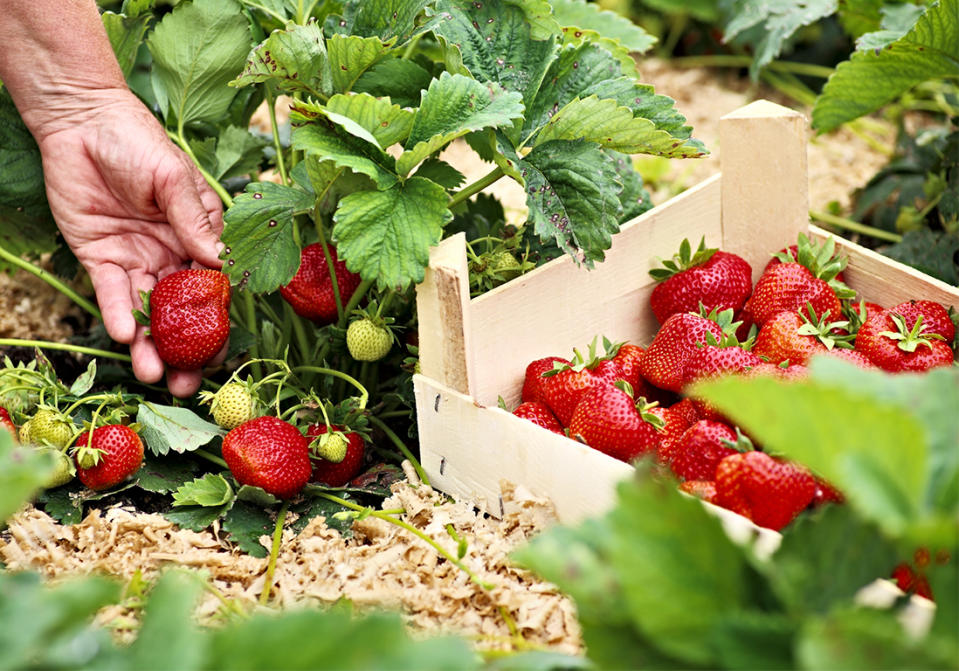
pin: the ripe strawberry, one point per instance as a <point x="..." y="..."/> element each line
<point x="676" y="420"/>
<point x="789" y="287"/>
<point x="826" y="493"/>
<point x="232" y="404"/>
<point x="609" y="420"/>
<point x="533" y="381"/>
<point x="686" y="408"/>
<point x="8" y="424"/>
<point x="891" y="345"/>
<point x="709" y="278"/>
<point x="539" y="413"/>
<point x="934" y="317"/>
<point x="50" y="427"/>
<point x="108" y="456"/>
<point x="796" y="337"/>
<point x="326" y="469"/>
<point x="712" y="360"/>
<point x="190" y="317"/>
<point x="563" y="387"/>
<point x="791" y="372"/>
<point x="699" y="450"/>
<point x="850" y="355"/>
<point x="310" y="292"/>
<point x="368" y="340"/>
<point x="678" y="338"/>
<point x="911" y="581"/>
<point x="701" y="489"/>
<point x="822" y="260"/>
<point x="628" y="357"/>
<point x="269" y="453"/>
<point x="768" y="491"/>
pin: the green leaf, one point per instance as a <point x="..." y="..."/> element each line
<point x="451" y="107"/>
<point x="164" y="475"/>
<point x="238" y="152"/>
<point x="126" y="31"/>
<point x="64" y="504"/>
<point x="572" y="194"/>
<point x="707" y="11"/>
<point x="330" y="182"/>
<point x="351" y="56"/>
<point x="22" y="472"/>
<point x="315" y="506"/>
<point x="84" y="381"/>
<point x="26" y="225"/>
<point x="197" y="49"/>
<point x="931" y="252"/>
<point x="332" y="142"/>
<point x="493" y="41"/>
<point x="897" y="20"/>
<point x="257" y="496"/>
<point x="294" y="59"/>
<point x="572" y="14"/>
<point x="441" y="172"/>
<point x="386" y="235"/>
<point x="539" y="660"/>
<point x="613" y="127"/>
<point x="162" y="640"/>
<point x="754" y="640"/>
<point x="634" y="198"/>
<point x="944" y="582"/>
<point x="165" y="428"/>
<point x="872" y="451"/>
<point x="825" y="558"/>
<point x="386" y="19"/>
<point x="246" y="523"/>
<point x="196" y="518"/>
<point x="780" y="19"/>
<point x="212" y="490"/>
<point x="395" y="78"/>
<point x="261" y="251"/>
<point x="386" y="122"/>
<point x="869" y="80"/>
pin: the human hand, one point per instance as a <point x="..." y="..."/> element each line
<point x="133" y="208"/>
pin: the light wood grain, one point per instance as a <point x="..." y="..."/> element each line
<point x="765" y="192"/>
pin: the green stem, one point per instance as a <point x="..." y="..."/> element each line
<point x="249" y="305"/>
<point x="676" y="28"/>
<point x="299" y="332"/>
<point x="321" y="233"/>
<point x="411" y="47"/>
<point x="402" y="447"/>
<point x="798" y="93"/>
<point x="354" y="301"/>
<point x="364" y="395"/>
<point x="90" y="399"/>
<point x="471" y="190"/>
<point x="413" y="530"/>
<point x="734" y="61"/>
<point x="277" y="145"/>
<point x="394" y="414"/>
<point x="857" y="129"/>
<point x="45" y="344"/>
<point x="855" y="226"/>
<point x="265" y="10"/>
<point x="274" y="551"/>
<point x="180" y="139"/>
<point x="212" y="458"/>
<point x="53" y="282"/>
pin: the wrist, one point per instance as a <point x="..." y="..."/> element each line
<point x="49" y="109"/>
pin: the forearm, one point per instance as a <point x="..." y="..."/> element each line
<point x="55" y="59"/>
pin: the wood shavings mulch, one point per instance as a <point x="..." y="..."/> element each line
<point x="381" y="566"/>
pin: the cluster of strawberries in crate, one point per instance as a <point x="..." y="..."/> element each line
<point x="627" y="401"/>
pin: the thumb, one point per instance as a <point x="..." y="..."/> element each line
<point x="179" y="197"/>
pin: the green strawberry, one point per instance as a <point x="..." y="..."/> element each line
<point x="64" y="470"/>
<point x="50" y="427"/>
<point x="232" y="404"/>
<point x="367" y="340"/>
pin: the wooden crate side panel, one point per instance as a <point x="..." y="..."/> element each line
<point x="561" y="305"/>
<point x="882" y="280"/>
<point x="765" y="195"/>
<point x="467" y="451"/>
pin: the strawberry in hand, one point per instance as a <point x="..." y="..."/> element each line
<point x="107" y="456"/>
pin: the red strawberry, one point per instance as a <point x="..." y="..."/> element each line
<point x="687" y="409"/>
<point x="539" y="413"/>
<point x="337" y="474"/>
<point x="794" y="337"/>
<point x="934" y="317"/>
<point x="793" y="372"/>
<point x="533" y="382"/>
<point x="891" y="345"/>
<point x="628" y="358"/>
<point x="850" y="355"/>
<point x="911" y="582"/>
<point x="563" y="387"/>
<point x="709" y="278"/>
<point x="826" y="493"/>
<point x="789" y="287"/>
<point x="664" y="361"/>
<point x="768" y="491"/>
<point x="700" y="449"/>
<point x="107" y="457"/>
<point x="190" y="317"/>
<point x="701" y="489"/>
<point x="675" y="422"/>
<point x="8" y="424"/>
<point x="713" y="360"/>
<point x="269" y="453"/>
<point x="609" y="420"/>
<point x="310" y="292"/>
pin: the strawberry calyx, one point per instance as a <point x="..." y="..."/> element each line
<point x="142" y="315"/>
<point x="684" y="260"/>
<point x="910" y="339"/>
<point x="821" y="260"/>
<point x="725" y="319"/>
<point x="823" y="330"/>
<point x="643" y="407"/>
<point x="593" y="358"/>
<point x="741" y="444"/>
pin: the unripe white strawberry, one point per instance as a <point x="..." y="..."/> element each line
<point x="49" y="427"/>
<point x="368" y="341"/>
<point x="331" y="446"/>
<point x="233" y="404"/>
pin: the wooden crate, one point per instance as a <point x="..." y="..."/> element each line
<point x="474" y="350"/>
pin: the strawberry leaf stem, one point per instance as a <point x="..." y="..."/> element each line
<point x="46" y="344"/>
<point x="331" y="267"/>
<point x="274" y="552"/>
<point x="209" y="456"/>
<point x="180" y="139"/>
<point x="402" y="448"/>
<point x="471" y="190"/>
<point x="277" y="145"/>
<point x="52" y="281"/>
<point x="364" y="394"/>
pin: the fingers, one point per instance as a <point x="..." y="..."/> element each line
<point x="112" y="286"/>
<point x="188" y="209"/>
<point x="147" y="365"/>
<point x="183" y="383"/>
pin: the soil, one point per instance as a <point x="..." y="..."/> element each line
<point x="382" y="566"/>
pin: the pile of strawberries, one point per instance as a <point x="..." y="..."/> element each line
<point x="628" y="400"/>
